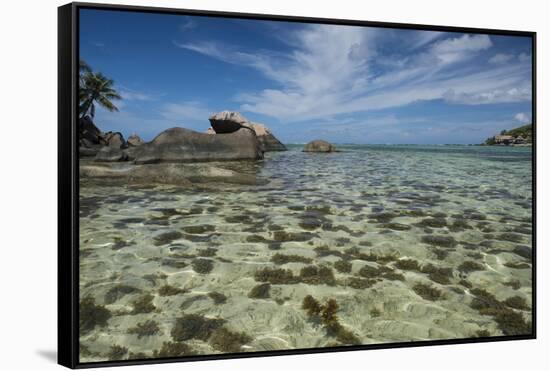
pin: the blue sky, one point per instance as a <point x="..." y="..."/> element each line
<point x="344" y="84"/>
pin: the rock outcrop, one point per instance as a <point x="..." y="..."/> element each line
<point x="319" y="146"/>
<point x="114" y="139"/>
<point x="228" y="122"/>
<point x="184" y="145"/>
<point x="91" y="140"/>
<point x="177" y="174"/>
<point x="134" y="140"/>
<point x="267" y="140"/>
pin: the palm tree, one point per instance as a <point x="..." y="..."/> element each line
<point x="83" y="66"/>
<point x="96" y="88"/>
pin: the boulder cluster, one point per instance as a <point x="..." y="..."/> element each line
<point x="230" y="137"/>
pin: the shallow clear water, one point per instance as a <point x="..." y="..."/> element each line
<point x="356" y="216"/>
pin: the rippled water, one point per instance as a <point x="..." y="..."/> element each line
<point x="411" y="242"/>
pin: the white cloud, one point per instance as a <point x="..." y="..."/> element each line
<point x="489" y="97"/>
<point x="501" y="58"/>
<point x="329" y="71"/>
<point x="185" y="111"/>
<point x="188" y="24"/>
<point x="524" y="57"/>
<point x="523" y="117"/>
<point x="460" y="48"/>
<point x="131" y="94"/>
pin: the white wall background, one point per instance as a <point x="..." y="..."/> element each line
<point x="28" y="153"/>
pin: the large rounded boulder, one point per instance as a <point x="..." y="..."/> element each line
<point x="319" y="146"/>
<point x="226" y="122"/>
<point x="184" y="145"/>
<point x="267" y="140"/>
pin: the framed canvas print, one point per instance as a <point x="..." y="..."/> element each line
<point x="241" y="185"/>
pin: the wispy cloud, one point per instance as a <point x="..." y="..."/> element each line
<point x="523" y="117"/>
<point x="501" y="58"/>
<point x="187" y="24"/>
<point x="338" y="70"/>
<point x="135" y="95"/>
<point x="185" y="111"/>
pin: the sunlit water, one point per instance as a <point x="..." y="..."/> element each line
<point x="367" y="206"/>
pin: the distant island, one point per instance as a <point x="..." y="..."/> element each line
<point x="522" y="136"/>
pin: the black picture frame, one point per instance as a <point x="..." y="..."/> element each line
<point x="68" y="185"/>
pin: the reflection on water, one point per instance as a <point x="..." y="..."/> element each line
<point x="374" y="244"/>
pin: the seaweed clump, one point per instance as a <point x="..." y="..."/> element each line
<point x="517" y="265"/>
<point x="117" y="292"/>
<point x="217" y="297"/>
<point x="143" y="304"/>
<point x="442" y="241"/>
<point x="208" y="252"/>
<point x="116" y="352"/>
<point x="202" y="266"/>
<point x="360" y="283"/>
<point x="225" y="340"/>
<point x="470" y="266"/>
<point x="169" y="290"/>
<point x="92" y="315"/>
<point x="516" y="302"/>
<point x="407" y="265"/>
<point x="147" y="328"/>
<point x="440" y="275"/>
<point x="326" y="314"/>
<point x="317" y="275"/>
<point x="380" y="272"/>
<point x="343" y="266"/>
<point x="173" y="349"/>
<point x="427" y="292"/>
<point x="261" y="291"/>
<point x="509" y="321"/>
<point x="275" y="276"/>
<point x="194" y="326"/>
<point x="281" y="259"/>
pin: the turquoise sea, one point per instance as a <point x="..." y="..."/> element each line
<point x="373" y="244"/>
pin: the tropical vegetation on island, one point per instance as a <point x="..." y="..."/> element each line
<point x="523" y="134"/>
<point x="95" y="88"/>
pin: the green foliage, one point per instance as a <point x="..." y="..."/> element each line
<point x="525" y="131"/>
<point x="95" y="88"/>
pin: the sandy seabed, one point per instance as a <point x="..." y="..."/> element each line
<point x="375" y="244"/>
